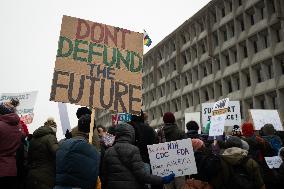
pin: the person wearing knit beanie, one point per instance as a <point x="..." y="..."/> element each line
<point x="169" y="117"/>
<point x="234" y="141"/>
<point x="51" y="123"/>
<point x="170" y="130"/>
<point x="197" y="144"/>
<point x="247" y="130"/>
<point x="236" y="131"/>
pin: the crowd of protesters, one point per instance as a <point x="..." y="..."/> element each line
<point x="39" y="161"/>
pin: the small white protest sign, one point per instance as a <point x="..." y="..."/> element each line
<point x="218" y="117"/>
<point x="273" y="162"/>
<point x="64" y="118"/>
<point x="194" y="116"/>
<point x="108" y="139"/>
<point x="172" y="157"/>
<point x="262" y="117"/>
<point x="233" y="115"/>
<point x="26" y="106"/>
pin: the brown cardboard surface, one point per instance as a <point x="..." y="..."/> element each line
<point x="112" y="56"/>
<point x="81" y="70"/>
<point x="133" y="40"/>
<point x="61" y="94"/>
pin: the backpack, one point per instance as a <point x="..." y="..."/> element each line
<point x="208" y="165"/>
<point x="77" y="164"/>
<point x="256" y="144"/>
<point x="275" y="145"/>
<point x="239" y="177"/>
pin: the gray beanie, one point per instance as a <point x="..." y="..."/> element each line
<point x="234" y="141"/>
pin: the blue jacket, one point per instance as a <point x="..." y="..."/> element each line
<point x="77" y="164"/>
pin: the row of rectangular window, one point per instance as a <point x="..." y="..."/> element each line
<point x="250" y="76"/>
<point x="254" y="14"/>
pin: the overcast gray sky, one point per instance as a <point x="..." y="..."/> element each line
<point x="30" y="31"/>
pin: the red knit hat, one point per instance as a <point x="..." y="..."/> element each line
<point x="169" y="118"/>
<point x="247" y="129"/>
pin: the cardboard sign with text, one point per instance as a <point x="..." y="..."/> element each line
<point x="172" y="157"/>
<point x="218" y="117"/>
<point x="26" y="106"/>
<point x="273" y="162"/>
<point x="120" y="117"/>
<point x="262" y="117"/>
<point x="99" y="66"/>
<point x="233" y="115"/>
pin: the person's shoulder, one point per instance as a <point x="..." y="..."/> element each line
<point x="126" y="148"/>
<point x="251" y="163"/>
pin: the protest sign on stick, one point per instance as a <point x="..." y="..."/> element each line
<point x="64" y="118"/>
<point x="172" y="157"/>
<point x="99" y="66"/>
<point x="218" y="117"/>
<point x="262" y="117"/>
<point x="26" y="106"/>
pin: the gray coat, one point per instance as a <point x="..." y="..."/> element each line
<point x="123" y="166"/>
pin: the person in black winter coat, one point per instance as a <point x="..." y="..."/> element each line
<point x="123" y="166"/>
<point x="170" y="131"/>
<point x="144" y="135"/>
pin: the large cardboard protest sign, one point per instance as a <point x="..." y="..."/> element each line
<point x="27" y="103"/>
<point x="172" y="157"/>
<point x="233" y="115"/>
<point x="218" y="117"/>
<point x="194" y="116"/>
<point x="99" y="66"/>
<point x="262" y="117"/>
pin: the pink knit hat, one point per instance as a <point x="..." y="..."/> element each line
<point x="197" y="144"/>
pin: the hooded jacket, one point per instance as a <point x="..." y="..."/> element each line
<point x="123" y="166"/>
<point x="41" y="158"/>
<point x="10" y="140"/>
<point x="77" y="163"/>
<point x="172" y="132"/>
<point x="233" y="156"/>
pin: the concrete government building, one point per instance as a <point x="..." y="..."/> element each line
<point x="230" y="48"/>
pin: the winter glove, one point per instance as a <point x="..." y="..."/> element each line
<point x="68" y="134"/>
<point x="169" y="178"/>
